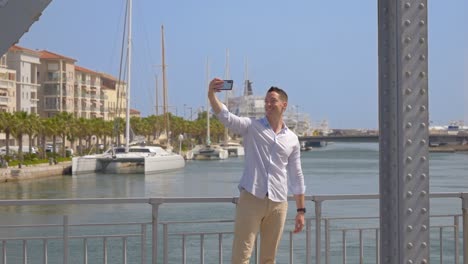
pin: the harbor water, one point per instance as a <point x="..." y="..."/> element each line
<point x="340" y="168"/>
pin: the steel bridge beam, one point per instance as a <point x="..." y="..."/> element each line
<point x="404" y="133"/>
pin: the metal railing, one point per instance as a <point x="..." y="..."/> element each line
<point x="336" y="237"/>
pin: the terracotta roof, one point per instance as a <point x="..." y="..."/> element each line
<point x="108" y="76"/>
<point x="82" y="69"/>
<point x="18" y="48"/>
<point x="134" y="112"/>
<point x="47" y="55"/>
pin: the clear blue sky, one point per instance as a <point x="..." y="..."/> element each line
<point x="323" y="53"/>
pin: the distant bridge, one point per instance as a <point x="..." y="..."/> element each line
<point x="434" y="138"/>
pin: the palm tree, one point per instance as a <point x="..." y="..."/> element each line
<point x="7" y="123"/>
<point x="63" y="120"/>
<point x="19" y="129"/>
<point x="33" y="129"/>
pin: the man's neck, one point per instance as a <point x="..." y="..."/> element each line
<point x="276" y="123"/>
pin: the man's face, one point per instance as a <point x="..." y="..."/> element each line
<point x="274" y="106"/>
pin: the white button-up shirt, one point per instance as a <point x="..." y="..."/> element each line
<point x="272" y="161"/>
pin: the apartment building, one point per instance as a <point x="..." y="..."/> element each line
<point x="89" y="97"/>
<point x="57" y="76"/>
<point x="115" y="92"/>
<point x="7" y="86"/>
<point x="26" y="64"/>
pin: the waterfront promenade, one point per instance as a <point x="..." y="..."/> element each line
<point x="34" y="171"/>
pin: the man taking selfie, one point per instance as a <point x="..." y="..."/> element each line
<point x="272" y="164"/>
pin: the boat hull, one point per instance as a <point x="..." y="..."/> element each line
<point x="126" y="163"/>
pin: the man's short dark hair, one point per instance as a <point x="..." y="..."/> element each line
<point x="283" y="95"/>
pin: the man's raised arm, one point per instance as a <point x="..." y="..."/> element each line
<point x="215" y="85"/>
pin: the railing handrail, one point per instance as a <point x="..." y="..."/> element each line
<point x="163" y="200"/>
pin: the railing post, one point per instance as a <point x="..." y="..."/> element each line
<point x="456" y="225"/>
<point x="155" y="208"/>
<point x="165" y="244"/>
<point x="318" y="232"/>
<point x="327" y="241"/>
<point x="464" y="198"/>
<point x="143" y="244"/>
<point x="65" y="239"/>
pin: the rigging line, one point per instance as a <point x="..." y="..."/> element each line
<point x="119" y="79"/>
<point x="114" y="46"/>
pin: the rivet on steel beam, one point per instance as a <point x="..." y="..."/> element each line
<point x="423" y="211"/>
<point x="422" y="108"/>
<point x="422" y="40"/>
<point x="424" y="227"/>
<point x="424" y="261"/>
<point x="408" y="56"/>
<point x="423" y="176"/>
<point x="422" y="57"/>
<point x="424" y="245"/>
<point x="409" y="261"/>
<point x="421" y="6"/>
<point x="422" y="91"/>
<point x="423" y="159"/>
<point x="422" y="23"/>
<point x="408" y="5"/>
<point x="409" y="228"/>
<point x="409" y="142"/>
<point x="422" y="74"/>
<point x="409" y="159"/>
<point x="409" y="176"/>
<point x="409" y="211"/>
<point x="408" y="108"/>
<point x="408" y="91"/>
<point x="407" y="22"/>
<point x="409" y="246"/>
<point x="408" y="74"/>
<point x="423" y="125"/>
<point x="423" y="193"/>
<point x="409" y="125"/>
<point x="422" y="142"/>
<point x="409" y="194"/>
<point x="407" y="39"/>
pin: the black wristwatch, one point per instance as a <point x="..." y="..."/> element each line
<point x="301" y="210"/>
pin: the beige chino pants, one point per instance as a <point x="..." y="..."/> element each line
<point x="253" y="215"/>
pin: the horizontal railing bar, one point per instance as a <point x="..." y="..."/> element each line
<point x="198" y="200"/>
<point x="74" y="225"/>
<point x="71" y="237"/>
<point x="374" y="228"/>
<point x="199" y="233"/>
<point x="376" y="196"/>
<point x="376" y="217"/>
<point x="197" y="222"/>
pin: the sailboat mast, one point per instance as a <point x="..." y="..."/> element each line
<point x="226" y="77"/>
<point x="166" y="119"/>
<point x="208" y="140"/>
<point x="129" y="63"/>
<point x="157" y="97"/>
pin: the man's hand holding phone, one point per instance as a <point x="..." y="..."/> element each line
<point x="217" y="85"/>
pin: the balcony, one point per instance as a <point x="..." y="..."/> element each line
<point x="7" y="84"/>
<point x="4" y="100"/>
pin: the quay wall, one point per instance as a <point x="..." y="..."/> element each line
<point x="34" y="172"/>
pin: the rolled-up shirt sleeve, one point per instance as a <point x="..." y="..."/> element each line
<point x="237" y="124"/>
<point x="296" y="178"/>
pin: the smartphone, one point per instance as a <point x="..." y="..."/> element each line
<point x="227" y="85"/>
